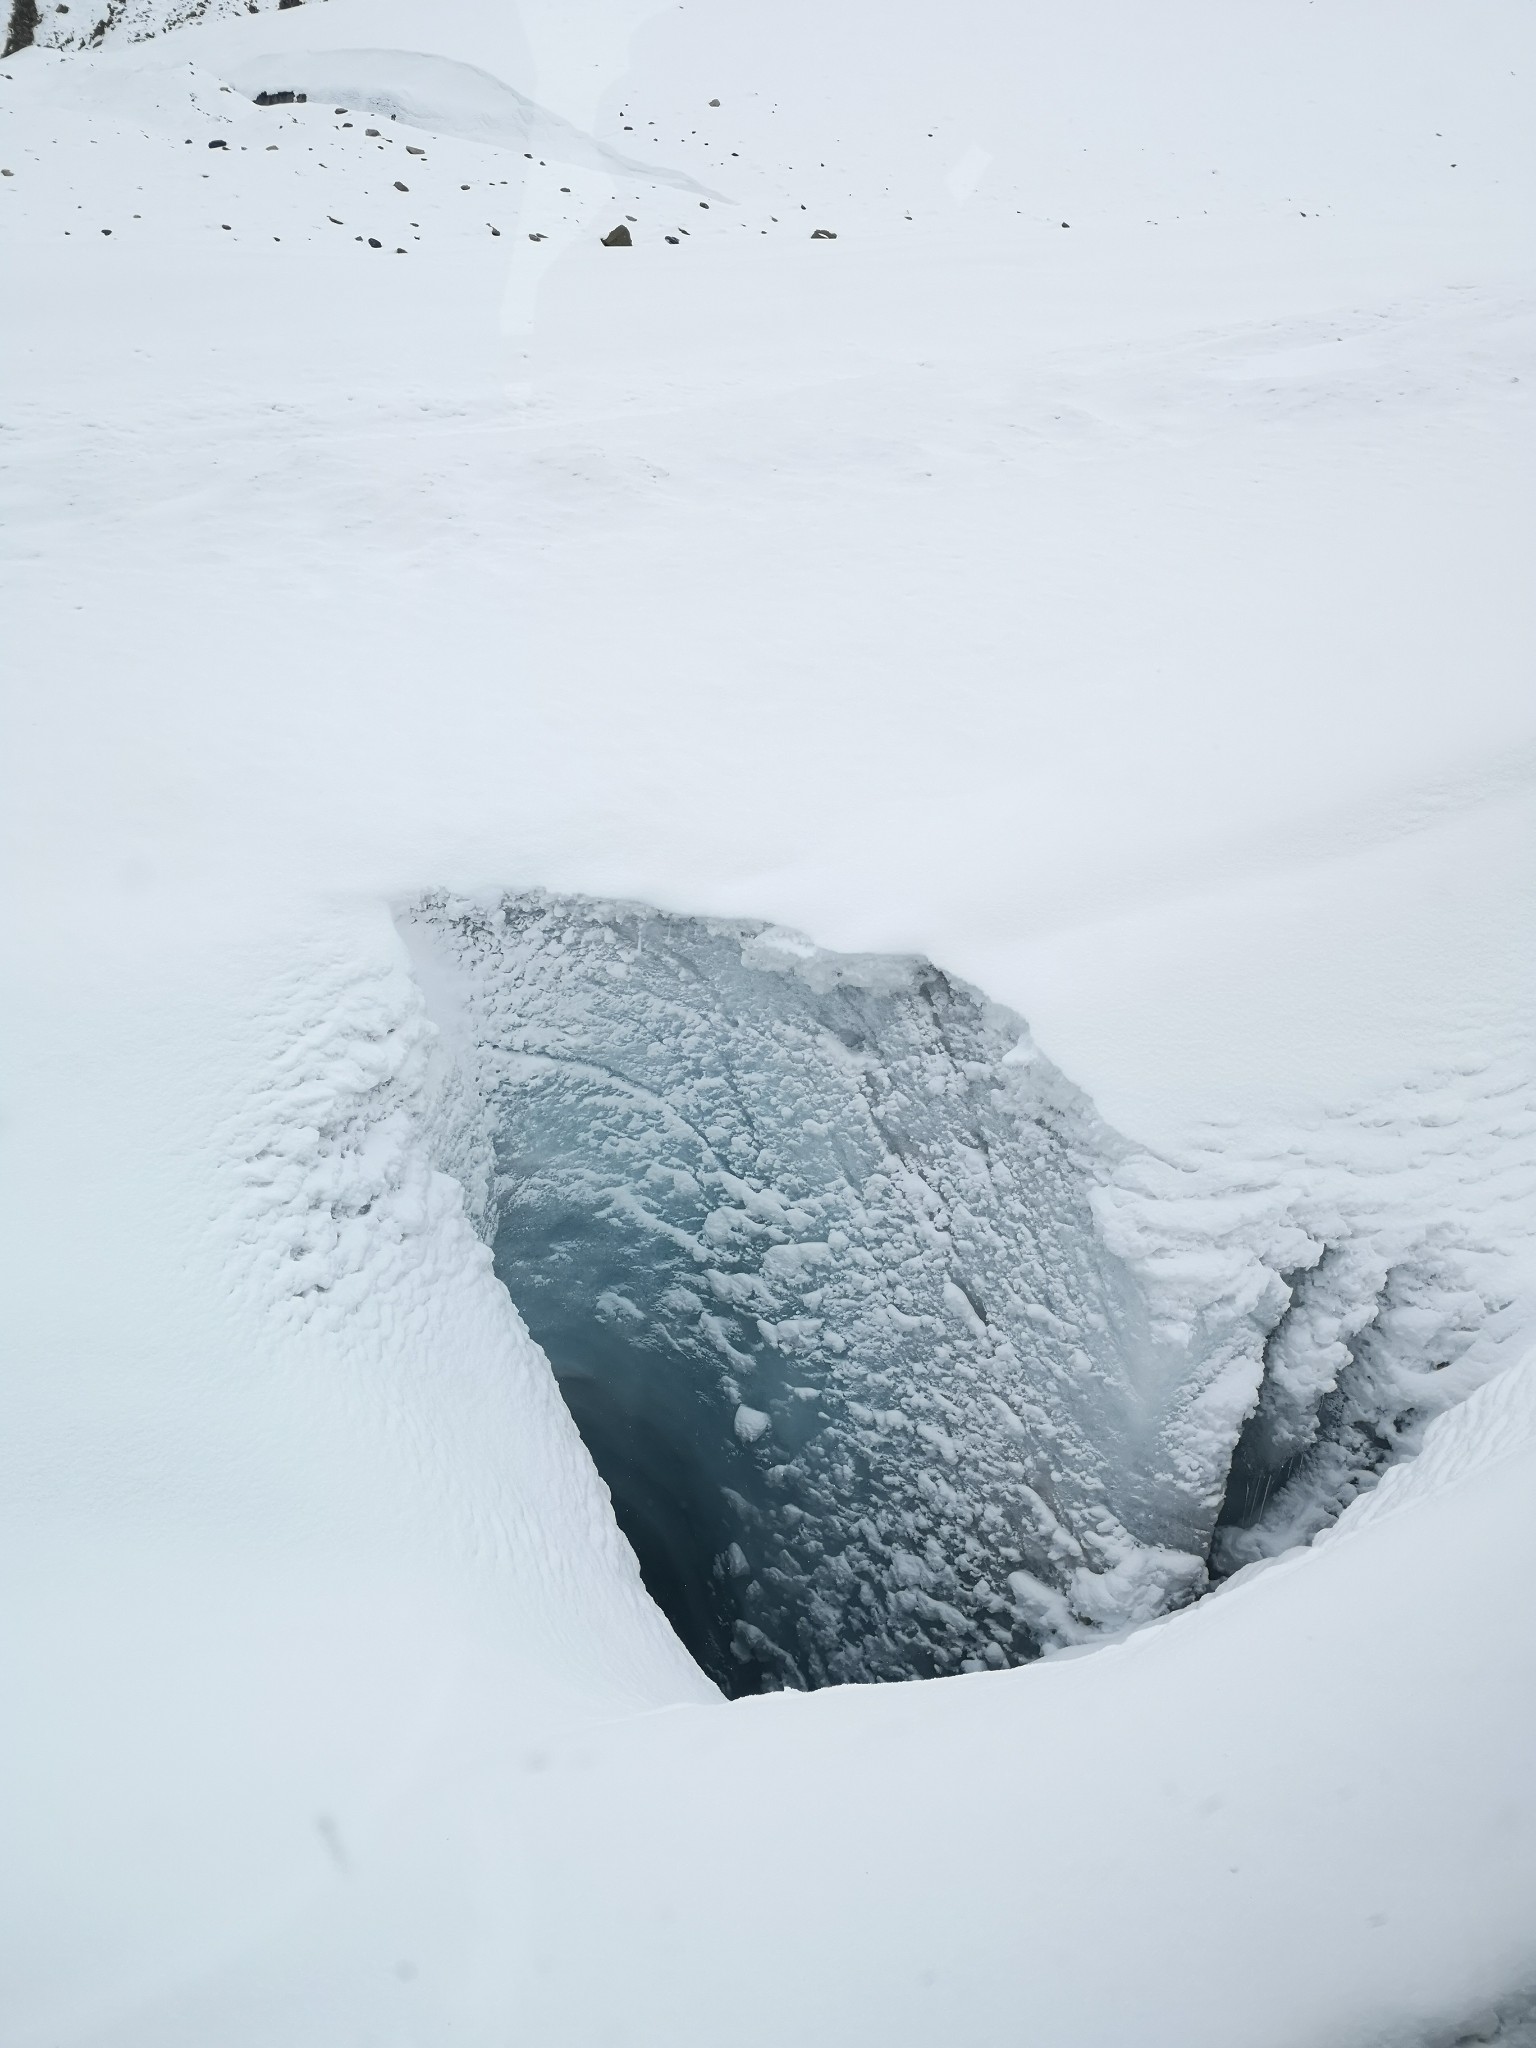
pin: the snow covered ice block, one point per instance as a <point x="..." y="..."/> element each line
<point x="809" y="1243"/>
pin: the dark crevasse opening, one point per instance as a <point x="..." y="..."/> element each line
<point x="809" y="1242"/>
<point x="1354" y="1372"/>
<point x="813" y="1245"/>
<point x="679" y="1478"/>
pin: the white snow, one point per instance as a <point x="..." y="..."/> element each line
<point x="1133" y="617"/>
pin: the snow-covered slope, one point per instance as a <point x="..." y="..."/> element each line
<point x="1101" y="569"/>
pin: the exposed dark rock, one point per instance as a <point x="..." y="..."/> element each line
<point x="218" y="144"/>
<point x="823" y="235"/>
<point x="619" y="239"/>
<point x="22" y="27"/>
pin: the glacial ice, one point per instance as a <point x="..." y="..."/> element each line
<point x="880" y="1382"/>
<point x="809" y="1244"/>
<point x="1354" y="1373"/>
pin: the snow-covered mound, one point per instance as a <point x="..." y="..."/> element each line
<point x="1042" y="491"/>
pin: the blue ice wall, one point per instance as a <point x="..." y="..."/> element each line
<point x="808" y="1242"/>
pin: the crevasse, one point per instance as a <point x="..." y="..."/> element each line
<point x="811" y="1245"/>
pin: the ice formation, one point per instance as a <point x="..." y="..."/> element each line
<point x="809" y="1242"/>
<point x="881" y="1384"/>
<point x="1353" y="1374"/>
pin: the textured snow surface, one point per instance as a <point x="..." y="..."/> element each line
<point x="1101" y="572"/>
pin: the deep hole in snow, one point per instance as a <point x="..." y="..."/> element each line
<point x="1353" y="1372"/>
<point x="810" y="1243"/>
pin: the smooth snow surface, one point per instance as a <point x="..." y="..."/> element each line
<point x="1101" y="572"/>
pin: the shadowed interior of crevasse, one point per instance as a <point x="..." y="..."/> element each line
<point x="670" y="1464"/>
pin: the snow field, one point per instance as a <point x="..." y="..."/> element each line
<point x="1133" y="618"/>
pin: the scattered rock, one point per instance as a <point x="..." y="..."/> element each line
<point x="218" y="145"/>
<point x="374" y="242"/>
<point x="619" y="239"/>
<point x="335" y="223"/>
<point x="705" y="204"/>
<point x="106" y="231"/>
<point x="673" y="240"/>
<point x="714" y="103"/>
<point x="277" y="99"/>
<point x="538" y="238"/>
<point x="401" y="188"/>
<point x="823" y="235"/>
<point x="1066" y="223"/>
<point x="412" y="149"/>
<point x="370" y="131"/>
<point x="494" y="231"/>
